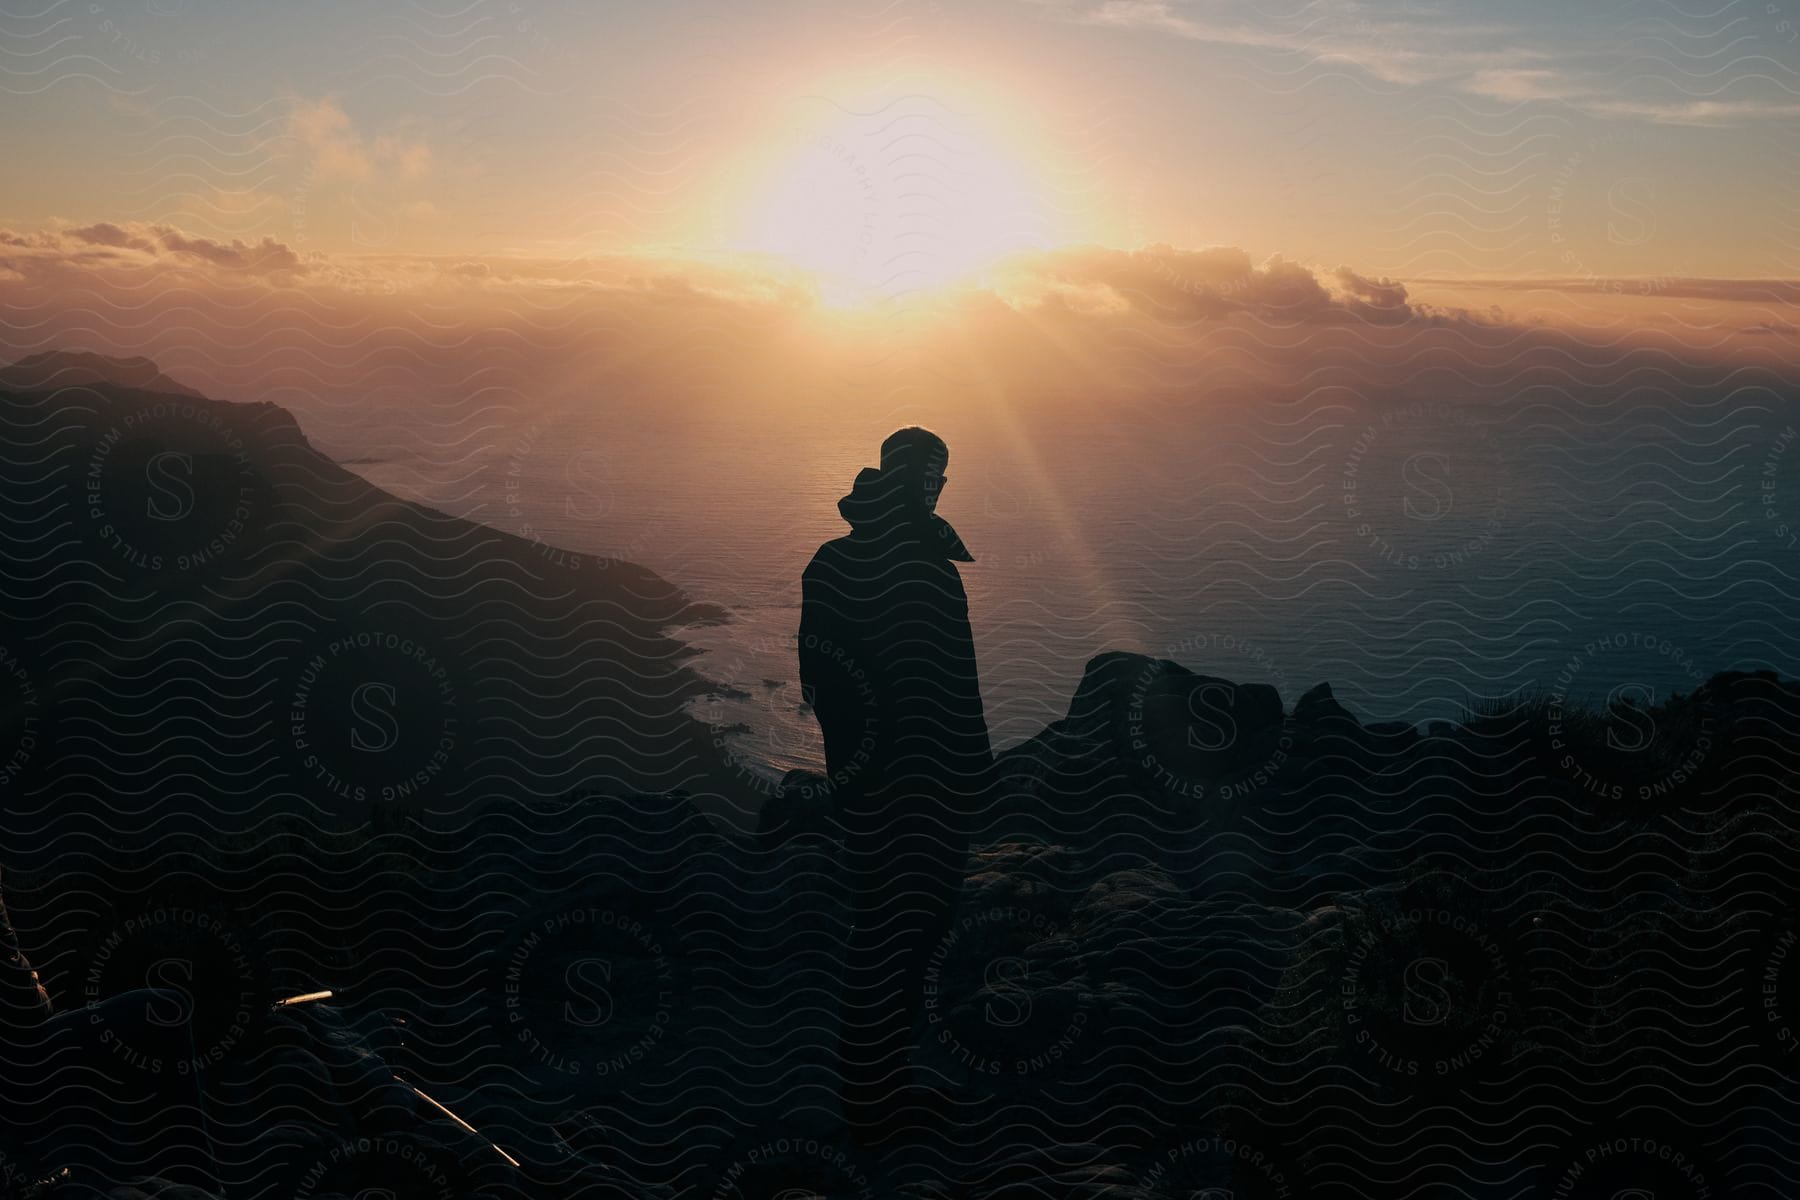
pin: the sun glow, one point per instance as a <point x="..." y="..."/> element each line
<point x="897" y="199"/>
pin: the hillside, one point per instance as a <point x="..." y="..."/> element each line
<point x="194" y="567"/>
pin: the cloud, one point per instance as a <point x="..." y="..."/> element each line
<point x="410" y="160"/>
<point x="1085" y="291"/>
<point x="133" y="244"/>
<point x="1378" y="300"/>
<point x="338" y="151"/>
<point x="1519" y="84"/>
<point x="107" y="234"/>
<point x="335" y="147"/>
<point x="257" y="258"/>
<point x="1392" y="48"/>
<point x="1704" y="113"/>
<point x="1586" y="66"/>
<point x="1731" y="291"/>
<point x="1217" y="282"/>
<point x="322" y="333"/>
<point x="1145" y="14"/>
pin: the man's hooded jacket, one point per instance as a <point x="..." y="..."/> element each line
<point x="886" y="656"/>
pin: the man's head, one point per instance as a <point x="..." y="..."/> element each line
<point x="919" y="457"/>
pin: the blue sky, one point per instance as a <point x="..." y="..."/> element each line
<point x="1446" y="139"/>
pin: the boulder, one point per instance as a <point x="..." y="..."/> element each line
<point x="1319" y="707"/>
<point x="1176" y="731"/>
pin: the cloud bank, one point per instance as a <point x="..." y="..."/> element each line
<point x="329" y="334"/>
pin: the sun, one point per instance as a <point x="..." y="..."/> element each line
<point x="890" y="201"/>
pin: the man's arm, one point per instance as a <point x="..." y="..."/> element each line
<point x="945" y="727"/>
<point x="812" y="633"/>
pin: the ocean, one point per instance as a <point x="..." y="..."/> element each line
<point x="1419" y="554"/>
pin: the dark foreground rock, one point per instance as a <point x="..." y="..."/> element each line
<point x="1143" y="992"/>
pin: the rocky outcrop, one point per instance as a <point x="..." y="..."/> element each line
<point x="1152" y="995"/>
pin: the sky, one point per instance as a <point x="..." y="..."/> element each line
<point x="457" y="238"/>
<point x="893" y="147"/>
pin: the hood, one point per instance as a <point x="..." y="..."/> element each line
<point x="877" y="503"/>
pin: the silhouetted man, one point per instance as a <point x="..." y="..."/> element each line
<point x="888" y="664"/>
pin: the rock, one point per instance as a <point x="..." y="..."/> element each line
<point x="1063" y="787"/>
<point x="1126" y="891"/>
<point x="805" y="805"/>
<point x="1101" y="680"/>
<point x="1393" y="735"/>
<point x="1177" y="732"/>
<point x="1318" y="706"/>
<point x="1075" y="1171"/>
<point x="1418" y="987"/>
<point x="155" y="1188"/>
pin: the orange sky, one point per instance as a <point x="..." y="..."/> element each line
<point x="891" y="150"/>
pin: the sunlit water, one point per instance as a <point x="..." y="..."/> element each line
<point x="1419" y="557"/>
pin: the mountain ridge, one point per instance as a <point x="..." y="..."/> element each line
<point x="51" y="370"/>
